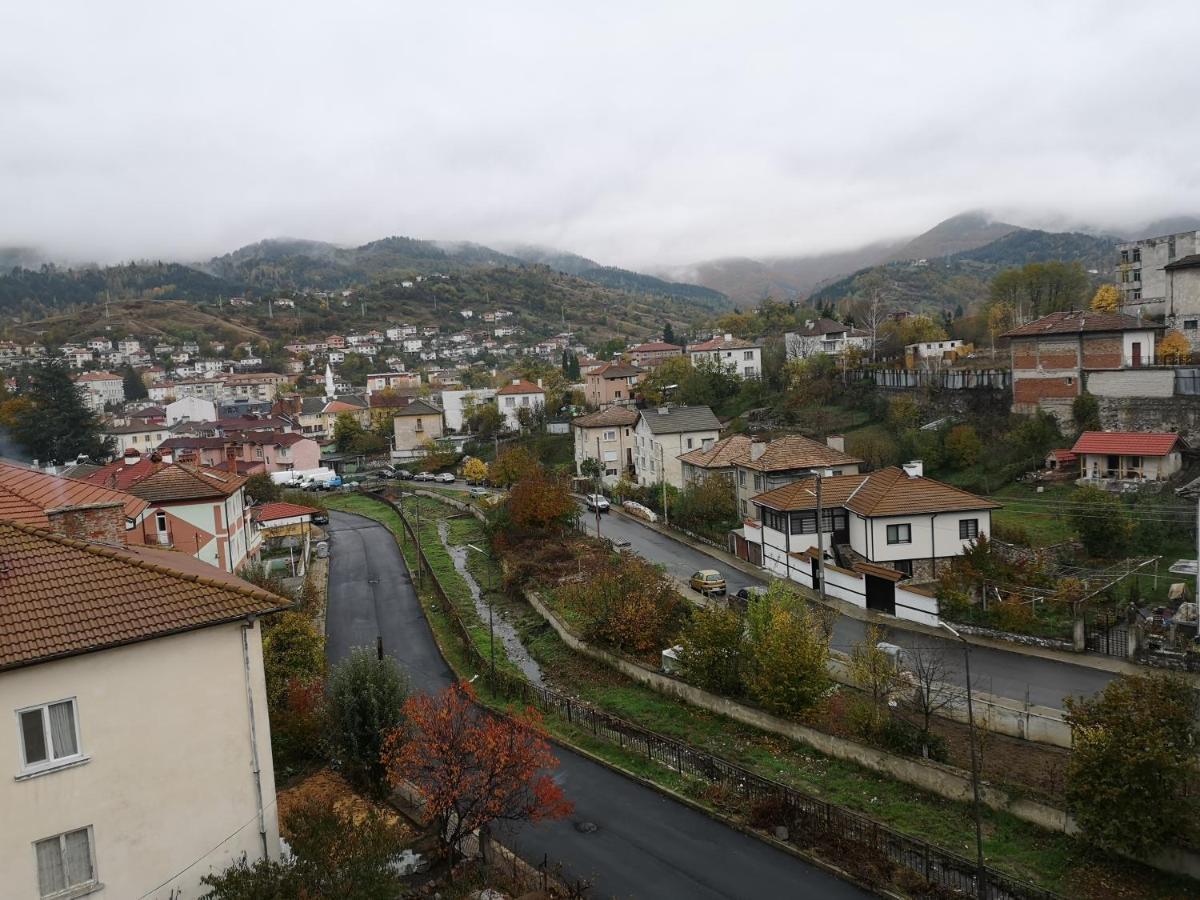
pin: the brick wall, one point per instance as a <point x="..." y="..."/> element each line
<point x="1102" y="353"/>
<point x="100" y="522"/>
<point x="1033" y="390"/>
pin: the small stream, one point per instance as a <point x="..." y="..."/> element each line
<point x="504" y="630"/>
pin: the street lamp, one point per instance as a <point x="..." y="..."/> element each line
<point x="980" y="881"/>
<point x="491" y="625"/>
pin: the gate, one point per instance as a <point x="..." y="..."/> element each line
<point x="881" y="594"/>
<point x="1108" y="634"/>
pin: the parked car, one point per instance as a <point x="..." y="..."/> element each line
<point x="743" y="597"/>
<point x="597" y="502"/>
<point x="423" y="476"/>
<point x="708" y="581"/>
<point x="404" y="474"/>
<point x="479" y="492"/>
<point x="444" y="477"/>
<point x="320" y="518"/>
<point x="385" y="472"/>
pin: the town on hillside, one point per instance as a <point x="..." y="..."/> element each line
<point x="878" y="489"/>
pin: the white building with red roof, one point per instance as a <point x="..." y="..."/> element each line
<point x="733" y="354"/>
<point x="517" y="395"/>
<point x="99" y="389"/>
<point x="1113" y="459"/>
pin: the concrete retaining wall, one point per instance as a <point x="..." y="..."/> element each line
<point x="944" y="781"/>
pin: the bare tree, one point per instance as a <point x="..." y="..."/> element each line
<point x="932" y="691"/>
<point x="874" y="308"/>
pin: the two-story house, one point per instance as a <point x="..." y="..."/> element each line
<point x="612" y="385"/>
<point x="825" y="336"/>
<point x="517" y="395"/>
<point x="200" y="511"/>
<point x="100" y="389"/>
<point x="767" y="466"/>
<point x="894" y="518"/>
<point x="607" y="436"/>
<point x="138" y="758"/>
<point x="414" y="426"/>
<point x="735" y="355"/>
<point x="717" y="459"/>
<point x="1052" y="356"/>
<point x="665" y="433"/>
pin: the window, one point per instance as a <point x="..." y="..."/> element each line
<point x="904" y="566"/>
<point x="899" y="534"/>
<point x="968" y="528"/>
<point x="1189" y="324"/>
<point x="1137" y="254"/>
<point x="748" y="355"/>
<point x="616" y="395"/>
<point x="64" y="862"/>
<point x="1137" y="274"/>
<point x="1124" y="256"/>
<point x="742" y="477"/>
<point x="1170" y="250"/>
<point x="689" y="440"/>
<point x="420" y="427"/>
<point x="1137" y="295"/>
<point x="258" y="453"/>
<point x="775" y="519"/>
<point x="160" y="520"/>
<point x="609" y="436"/>
<point x="510" y="402"/>
<point x="49" y="735"/>
<point x="804" y="523"/>
<point x="758" y="482"/>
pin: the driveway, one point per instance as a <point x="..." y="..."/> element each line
<point x="644" y="845"/>
<point x="1012" y="675"/>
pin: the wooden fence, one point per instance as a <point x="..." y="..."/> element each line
<point x="810" y="820"/>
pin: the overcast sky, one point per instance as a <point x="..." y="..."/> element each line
<point x="638" y="134"/>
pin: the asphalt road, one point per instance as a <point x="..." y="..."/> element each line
<point x="1011" y="675"/>
<point x="644" y="844"/>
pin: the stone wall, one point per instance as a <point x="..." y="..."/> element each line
<point x="1178" y="413"/>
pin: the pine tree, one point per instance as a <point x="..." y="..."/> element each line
<point x="135" y="388"/>
<point x="668" y="333"/>
<point x="57" y="426"/>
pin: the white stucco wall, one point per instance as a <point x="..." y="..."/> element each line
<point x="935" y="536"/>
<point x="193" y="409"/>
<point x="165" y="726"/>
<point x="1132" y="383"/>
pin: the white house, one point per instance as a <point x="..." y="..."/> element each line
<point x="456" y="405"/>
<point x="141" y="436"/>
<point x="894" y="518"/>
<point x="825" y="336"/>
<point x="608" y="436"/>
<point x="413" y="345"/>
<point x="190" y="409"/>
<point x="139" y="755"/>
<point x="664" y="434"/>
<point x="934" y="353"/>
<point x="518" y="395"/>
<point x="735" y="355"/>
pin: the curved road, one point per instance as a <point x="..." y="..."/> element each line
<point x="645" y="845"/>
<point x="1011" y="675"/>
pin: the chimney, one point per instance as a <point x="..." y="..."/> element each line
<point x="539" y="382"/>
<point x="132" y="457"/>
<point x="914" y="469"/>
<point x="101" y="523"/>
<point x="728" y="336"/>
<point x="664" y="410"/>
<point x="757" y="449"/>
<point x="516" y="381"/>
<point x="808" y="323"/>
<point x="836" y="442"/>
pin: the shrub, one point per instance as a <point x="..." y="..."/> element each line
<point x="901" y="736"/>
<point x="627" y="603"/>
<point x="298" y="726"/>
<point x="1011" y="614"/>
<point x="714" y="650"/>
<point x="366" y="700"/>
<point x="293" y="650"/>
<point x="1011" y="534"/>
<point x="788" y="652"/>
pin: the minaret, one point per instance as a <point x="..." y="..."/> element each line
<point x="329" y="391"/>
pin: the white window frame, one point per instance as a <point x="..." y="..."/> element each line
<point x="907" y="539"/>
<point x="610" y="435"/>
<point x="51" y="762"/>
<point x="81" y="888"/>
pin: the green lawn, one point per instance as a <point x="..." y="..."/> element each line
<point x="1047" y="858"/>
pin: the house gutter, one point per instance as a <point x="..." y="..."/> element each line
<point x="256" y="768"/>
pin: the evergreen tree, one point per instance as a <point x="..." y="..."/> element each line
<point x="135" y="388"/>
<point x="668" y="333"/>
<point x="572" y="371"/>
<point x="56" y="425"/>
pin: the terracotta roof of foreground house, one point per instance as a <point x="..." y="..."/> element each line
<point x="614" y="415"/>
<point x="1127" y="443"/>
<point x="280" y="509"/>
<point x="26" y="494"/>
<point x="157" y="481"/>
<point x="720" y="455"/>
<point x="1074" y="321"/>
<point x="520" y="386"/>
<point x="795" y="451"/>
<point x="888" y="492"/>
<point x="61" y="597"/>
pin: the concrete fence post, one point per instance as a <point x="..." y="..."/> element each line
<point x="1079" y="635"/>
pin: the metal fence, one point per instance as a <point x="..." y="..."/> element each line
<point x="1107" y="633"/>
<point x="943" y="379"/>
<point x="810" y="820"/>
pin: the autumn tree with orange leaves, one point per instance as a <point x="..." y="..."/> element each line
<point x="472" y="768"/>
<point x="541" y="502"/>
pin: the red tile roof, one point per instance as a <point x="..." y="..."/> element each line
<point x="719" y="343"/>
<point x="280" y="510"/>
<point x="61" y="597"/>
<point x="614" y="415"/>
<point x="98" y="376"/>
<point x="720" y="455"/>
<point x="1076" y="321"/>
<point x="888" y="492"/>
<point x="158" y="481"/>
<point x="795" y="451"/>
<point x="1127" y="443"/>
<point x="521" y="387"/>
<point x="26" y="494"/>
<point x="655" y="347"/>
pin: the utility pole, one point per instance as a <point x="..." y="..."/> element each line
<point x="981" y="871"/>
<point x="820" y="541"/>
<point x="662" y="474"/>
<point x="596" y="486"/>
